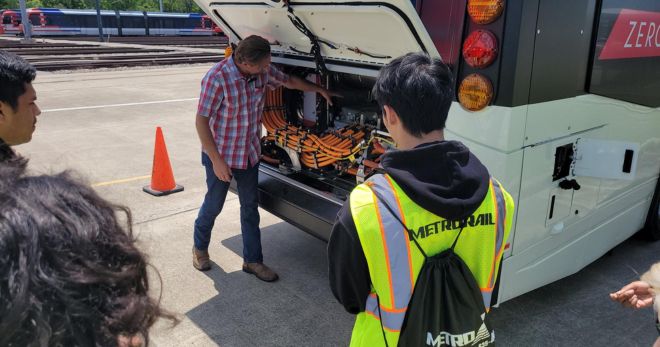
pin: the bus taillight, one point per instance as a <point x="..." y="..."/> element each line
<point x="479" y="75"/>
<point x="475" y="92"/>
<point x="480" y="49"/>
<point x="485" y="11"/>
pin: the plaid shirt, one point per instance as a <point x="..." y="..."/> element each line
<point x="234" y="106"/>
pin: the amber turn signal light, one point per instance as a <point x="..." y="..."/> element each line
<point x="475" y="92"/>
<point x="485" y="11"/>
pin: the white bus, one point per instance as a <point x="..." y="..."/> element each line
<point x="559" y="98"/>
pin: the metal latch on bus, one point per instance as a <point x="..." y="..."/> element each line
<point x="569" y="184"/>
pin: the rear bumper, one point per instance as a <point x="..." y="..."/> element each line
<point x="309" y="209"/>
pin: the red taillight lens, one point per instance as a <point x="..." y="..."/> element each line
<point x="475" y="92"/>
<point x="480" y="49"/>
<point x="485" y="11"/>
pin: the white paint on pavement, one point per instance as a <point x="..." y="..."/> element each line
<point x="117" y="105"/>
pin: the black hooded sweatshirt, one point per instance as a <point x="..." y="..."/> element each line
<point x="442" y="177"/>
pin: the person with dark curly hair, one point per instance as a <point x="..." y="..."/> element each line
<point x="18" y="108"/>
<point x="70" y="273"/>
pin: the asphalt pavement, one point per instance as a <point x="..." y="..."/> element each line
<point x="102" y="125"/>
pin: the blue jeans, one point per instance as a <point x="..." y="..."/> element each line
<point x="214" y="200"/>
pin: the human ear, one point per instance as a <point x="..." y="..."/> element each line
<point x="390" y="114"/>
<point x="3" y="110"/>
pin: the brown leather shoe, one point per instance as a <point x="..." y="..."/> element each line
<point x="201" y="259"/>
<point x="260" y="270"/>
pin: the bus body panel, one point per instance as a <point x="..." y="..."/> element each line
<point x="576" y="246"/>
<point x="500" y="128"/>
<point x="309" y="209"/>
<point x="560" y="231"/>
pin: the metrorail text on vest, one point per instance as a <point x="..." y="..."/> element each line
<point x="444" y="225"/>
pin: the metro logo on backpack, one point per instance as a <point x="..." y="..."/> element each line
<point x="481" y="338"/>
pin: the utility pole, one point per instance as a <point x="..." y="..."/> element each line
<point x="160" y="2"/>
<point x="25" y="21"/>
<point x="99" y="21"/>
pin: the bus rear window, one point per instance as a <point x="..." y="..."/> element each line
<point x="626" y="62"/>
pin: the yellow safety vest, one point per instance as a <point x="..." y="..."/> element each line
<point x="394" y="264"/>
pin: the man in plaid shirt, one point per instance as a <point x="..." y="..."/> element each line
<point x="229" y="124"/>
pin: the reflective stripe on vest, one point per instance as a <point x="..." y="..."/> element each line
<point x="392" y="319"/>
<point x="500" y="221"/>
<point x="396" y="244"/>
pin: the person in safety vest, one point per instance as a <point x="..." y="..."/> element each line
<point x="431" y="183"/>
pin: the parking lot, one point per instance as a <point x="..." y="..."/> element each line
<point x="102" y="125"/>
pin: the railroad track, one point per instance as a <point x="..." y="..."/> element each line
<point x="178" y="41"/>
<point x="128" y="61"/>
<point x="82" y="50"/>
<point x="53" y="55"/>
<point x="70" y="58"/>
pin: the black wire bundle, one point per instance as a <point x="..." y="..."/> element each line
<point x="316" y="47"/>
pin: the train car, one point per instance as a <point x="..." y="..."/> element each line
<point x="63" y="22"/>
<point x="207" y="22"/>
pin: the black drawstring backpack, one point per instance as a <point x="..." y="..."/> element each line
<point x="446" y="307"/>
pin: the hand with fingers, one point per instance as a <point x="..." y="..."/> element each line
<point x="328" y="95"/>
<point x="637" y="295"/>
<point x="222" y="170"/>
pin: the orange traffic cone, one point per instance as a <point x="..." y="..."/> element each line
<point x="162" y="179"/>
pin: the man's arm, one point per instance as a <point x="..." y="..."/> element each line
<point x="348" y="269"/>
<point x="210" y="98"/>
<point x="304" y="85"/>
<point x="220" y="167"/>
<point x="278" y="78"/>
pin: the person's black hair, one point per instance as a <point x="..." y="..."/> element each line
<point x="252" y="50"/>
<point x="70" y="274"/>
<point x="419" y="88"/>
<point x="9" y="157"/>
<point x="15" y="73"/>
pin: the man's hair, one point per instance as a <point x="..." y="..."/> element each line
<point x="15" y="72"/>
<point x="252" y="50"/>
<point x="419" y="88"/>
<point x="70" y="274"/>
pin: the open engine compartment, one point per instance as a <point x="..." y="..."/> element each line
<point x="328" y="147"/>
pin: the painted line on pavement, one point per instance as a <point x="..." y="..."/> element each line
<point x="109" y="183"/>
<point x="116" y="105"/>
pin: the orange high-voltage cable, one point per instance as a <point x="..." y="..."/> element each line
<point x="315" y="151"/>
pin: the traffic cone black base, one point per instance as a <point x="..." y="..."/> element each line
<point x="147" y="189"/>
